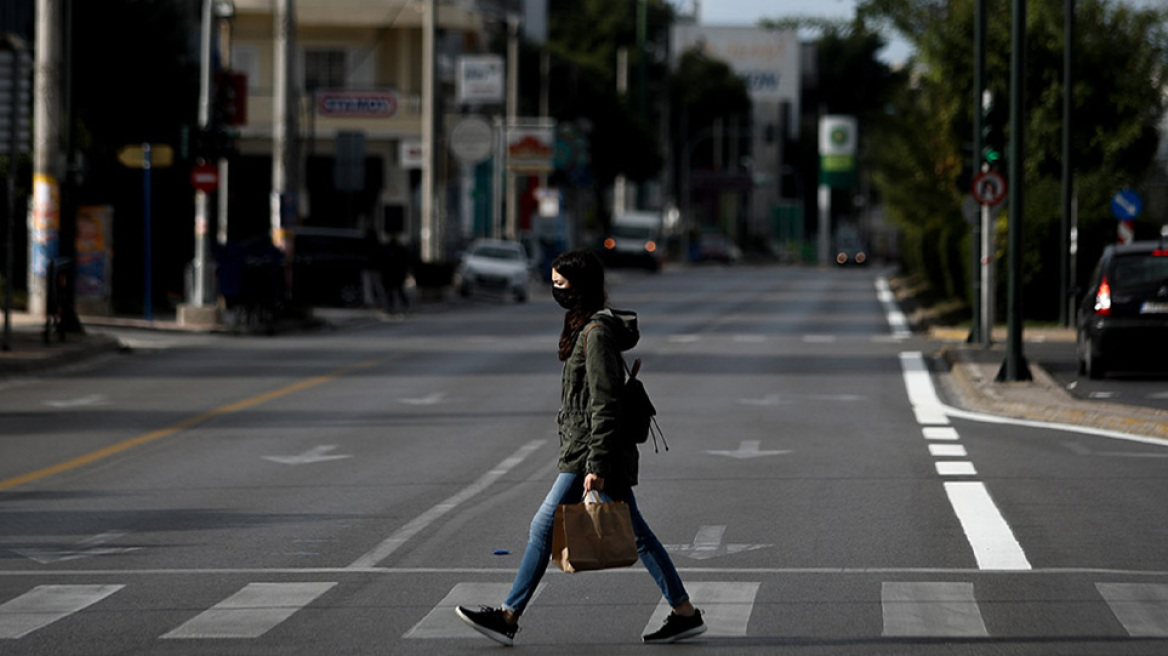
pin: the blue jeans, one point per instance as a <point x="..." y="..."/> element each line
<point x="569" y="488"/>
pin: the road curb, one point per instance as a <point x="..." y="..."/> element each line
<point x="970" y="384"/>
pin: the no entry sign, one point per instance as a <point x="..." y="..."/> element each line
<point x="205" y="177"/>
<point x="989" y="188"/>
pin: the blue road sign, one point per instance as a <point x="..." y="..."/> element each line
<point x="1126" y="205"/>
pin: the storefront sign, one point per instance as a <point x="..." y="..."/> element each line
<point x="346" y="103"/>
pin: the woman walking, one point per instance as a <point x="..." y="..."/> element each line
<point x="593" y="454"/>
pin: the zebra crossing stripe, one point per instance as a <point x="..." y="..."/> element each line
<point x="441" y="622"/>
<point x="931" y="610"/>
<point x="1142" y="608"/>
<point x="725" y="606"/>
<point x="251" y="612"/>
<point x="46" y="604"/>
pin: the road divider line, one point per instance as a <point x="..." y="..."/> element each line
<point x="125" y="445"/>
<point x="896" y="319"/>
<point x="994" y="544"/>
<point x="921" y="393"/>
<point x="419" y="523"/>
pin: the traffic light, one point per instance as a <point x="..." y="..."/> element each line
<point x="230" y="107"/>
<point x="993" y="130"/>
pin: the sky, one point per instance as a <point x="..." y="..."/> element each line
<point x="748" y="12"/>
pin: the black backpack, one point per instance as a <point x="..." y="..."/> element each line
<point x="638" y="416"/>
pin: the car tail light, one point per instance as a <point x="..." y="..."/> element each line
<point x="1160" y="252"/>
<point x="610" y="243"/>
<point x="650" y="246"/>
<point x="1103" y="299"/>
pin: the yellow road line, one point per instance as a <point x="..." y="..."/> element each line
<point x="183" y="424"/>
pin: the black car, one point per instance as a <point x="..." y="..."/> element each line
<point x="1123" y="317"/>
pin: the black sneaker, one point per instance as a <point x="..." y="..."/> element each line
<point x="677" y="627"/>
<point x="490" y="622"/>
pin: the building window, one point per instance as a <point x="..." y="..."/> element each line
<point x="324" y="69"/>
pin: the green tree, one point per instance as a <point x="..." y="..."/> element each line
<point x="583" y="39"/>
<point x="1121" y="73"/>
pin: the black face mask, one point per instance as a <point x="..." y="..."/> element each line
<point x="567" y="297"/>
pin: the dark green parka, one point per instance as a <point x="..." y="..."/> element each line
<point x="589" y="419"/>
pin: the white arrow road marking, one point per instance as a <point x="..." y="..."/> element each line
<point x="748" y="449"/>
<point x="314" y="455"/>
<point x="431" y="399"/>
<point x="708" y="544"/>
<point x="86" y="548"/>
<point x="91" y="400"/>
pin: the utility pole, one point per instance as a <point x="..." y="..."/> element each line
<point x="512" y="109"/>
<point x="285" y="159"/>
<point x="45" y="211"/>
<point x="194" y="311"/>
<point x="433" y="239"/>
<point x="1015" y="368"/>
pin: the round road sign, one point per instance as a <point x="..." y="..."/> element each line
<point x="989" y="188"/>
<point x="472" y="139"/>
<point x="205" y="177"/>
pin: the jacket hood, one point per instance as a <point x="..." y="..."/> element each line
<point x="623" y="324"/>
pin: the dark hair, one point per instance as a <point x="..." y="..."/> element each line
<point x="585" y="274"/>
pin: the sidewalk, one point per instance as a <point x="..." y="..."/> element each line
<point x="966" y="376"/>
<point x="29" y="353"/>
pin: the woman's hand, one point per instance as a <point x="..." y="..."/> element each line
<point x="593" y="482"/>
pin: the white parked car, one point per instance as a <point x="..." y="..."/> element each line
<point x="495" y="266"/>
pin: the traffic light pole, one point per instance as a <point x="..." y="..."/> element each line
<point x="1015" y="368"/>
<point x="1065" y="275"/>
<point x="977" y="266"/>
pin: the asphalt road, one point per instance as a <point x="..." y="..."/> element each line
<point x="339" y="493"/>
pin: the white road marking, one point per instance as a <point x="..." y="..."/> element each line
<point x="725" y="606"/>
<point x="85" y="401"/>
<point x="939" y="433"/>
<point x="251" y="612"/>
<point x="921" y="393"/>
<point x="947" y="468"/>
<point x="429" y="399"/>
<point x="747" y="449"/>
<point x="947" y="451"/>
<point x="708" y="544"/>
<point x="441" y="622"/>
<point x="403" y="534"/>
<point x="46" y="604"/>
<point x="313" y="455"/>
<point x="931" y="610"/>
<point x="994" y="545"/>
<point x="1142" y="608"/>
<point x="819" y="339"/>
<point x="896" y="318"/>
<point x="683" y="339"/>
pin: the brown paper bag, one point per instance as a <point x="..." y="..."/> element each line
<point x="593" y="535"/>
